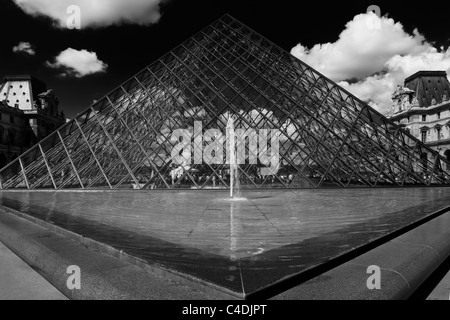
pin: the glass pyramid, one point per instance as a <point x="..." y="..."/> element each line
<point x="166" y="127"/>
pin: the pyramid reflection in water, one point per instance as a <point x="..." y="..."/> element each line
<point x="325" y="136"/>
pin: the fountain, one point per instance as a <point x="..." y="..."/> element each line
<point x="234" y="171"/>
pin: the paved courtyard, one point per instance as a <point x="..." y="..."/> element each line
<point x="18" y="281"/>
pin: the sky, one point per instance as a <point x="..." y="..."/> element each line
<point x="369" y="54"/>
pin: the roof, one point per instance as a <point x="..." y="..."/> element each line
<point x="25" y="77"/>
<point x="38" y="85"/>
<point x="431" y="87"/>
<point x="426" y="74"/>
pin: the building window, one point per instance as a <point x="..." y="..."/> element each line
<point x="439" y="132"/>
<point x="424" y="136"/>
<point x="12" y="137"/>
<point x="439" y="116"/>
<point x="447" y="155"/>
<point x="424" y="160"/>
<point x="424" y="118"/>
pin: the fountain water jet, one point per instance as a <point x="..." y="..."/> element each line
<point x="234" y="171"/>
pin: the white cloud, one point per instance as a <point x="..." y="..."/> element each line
<point x="96" y="13"/>
<point x="379" y="59"/>
<point x="431" y="59"/>
<point x="78" y="63"/>
<point x="24" y="47"/>
<point x="377" y="89"/>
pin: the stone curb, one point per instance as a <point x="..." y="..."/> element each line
<point x="405" y="263"/>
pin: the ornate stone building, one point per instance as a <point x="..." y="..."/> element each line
<point x="422" y="107"/>
<point x="28" y="113"/>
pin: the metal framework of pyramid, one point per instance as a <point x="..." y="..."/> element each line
<point x="327" y="137"/>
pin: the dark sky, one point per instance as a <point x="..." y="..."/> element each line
<point x="129" y="48"/>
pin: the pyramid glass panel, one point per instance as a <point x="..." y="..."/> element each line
<point x="166" y="128"/>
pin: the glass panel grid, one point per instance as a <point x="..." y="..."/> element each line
<point x="326" y="137"/>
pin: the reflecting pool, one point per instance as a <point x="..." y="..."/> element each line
<point x="244" y="245"/>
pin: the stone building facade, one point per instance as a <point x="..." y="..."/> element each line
<point x="422" y="107"/>
<point x="28" y="113"/>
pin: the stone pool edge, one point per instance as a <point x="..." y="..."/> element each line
<point x="405" y="263"/>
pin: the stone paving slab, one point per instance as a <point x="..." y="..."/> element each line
<point x="18" y="281"/>
<point x="442" y="290"/>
